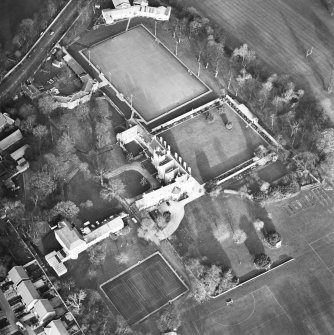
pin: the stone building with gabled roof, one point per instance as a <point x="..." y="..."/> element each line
<point x="17" y="274"/>
<point x="55" y="327"/>
<point x="44" y="311"/>
<point x="28" y="292"/>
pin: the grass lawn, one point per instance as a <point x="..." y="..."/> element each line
<point x="195" y="236"/>
<point x="81" y="190"/>
<point x="131" y="180"/>
<point x="143" y="289"/>
<point x="297" y="298"/>
<point x="209" y="148"/>
<point x="138" y="65"/>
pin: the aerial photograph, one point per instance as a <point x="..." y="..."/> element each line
<point x="167" y="167"/>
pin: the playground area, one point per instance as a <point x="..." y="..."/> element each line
<point x="211" y="149"/>
<point x="148" y="75"/>
<point x="143" y="289"/>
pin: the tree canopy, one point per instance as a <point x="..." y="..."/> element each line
<point x="208" y="280"/>
<point x="169" y="319"/>
<point x="66" y="209"/>
<point x="41" y="184"/>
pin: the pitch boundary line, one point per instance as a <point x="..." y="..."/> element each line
<point x="321" y="260"/>
<point x="321" y="238"/>
<point x="238" y="323"/>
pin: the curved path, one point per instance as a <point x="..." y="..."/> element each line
<point x="136" y="166"/>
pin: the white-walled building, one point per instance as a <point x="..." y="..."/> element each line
<point x="74" y="242"/>
<point x="171" y="169"/>
<point x="55" y="327"/>
<point x="157" y="13"/>
<point x="5" y="120"/>
<point x="28" y="292"/>
<point x="70" y="239"/>
<point x="44" y="311"/>
<point x="17" y="274"/>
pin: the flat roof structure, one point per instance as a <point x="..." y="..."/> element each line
<point x="143" y="289"/>
<point x="146" y="73"/>
<point x="209" y="148"/>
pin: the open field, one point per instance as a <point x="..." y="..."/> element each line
<point x="139" y="66"/>
<point x="195" y="236"/>
<point x="280" y="32"/>
<point x="297" y="298"/>
<point x="144" y="289"/>
<point x="209" y="148"/>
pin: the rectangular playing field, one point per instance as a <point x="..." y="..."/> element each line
<point x="144" y="289"/>
<point x="209" y="148"/>
<point x="140" y="67"/>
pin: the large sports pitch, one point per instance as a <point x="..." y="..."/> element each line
<point x="137" y="65"/>
<point x="143" y="289"/>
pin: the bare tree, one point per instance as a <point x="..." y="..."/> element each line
<point x="221" y="232"/>
<point x="74" y="300"/>
<point x="40" y="131"/>
<point x="122" y="258"/>
<point x="246" y="55"/>
<point x="148" y="230"/>
<point x="239" y="236"/>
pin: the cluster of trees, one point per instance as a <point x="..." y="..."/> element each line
<point x="148" y="229"/>
<point x="169" y="319"/>
<point x="29" y="28"/>
<point x="262" y="261"/>
<point x="295" y="119"/>
<point x="277" y="191"/>
<point x="97" y="253"/>
<point x="208" y="280"/>
<point x="5" y="262"/>
<point x="91" y="311"/>
<point x="325" y="147"/>
<point x="270" y="237"/>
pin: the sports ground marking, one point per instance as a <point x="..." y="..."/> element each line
<point x="140" y="113"/>
<point x="128" y="287"/>
<point x="312" y="198"/>
<point x="321" y="260"/>
<point x="274" y="300"/>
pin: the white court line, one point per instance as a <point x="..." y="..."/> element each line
<point x="238" y="323"/>
<point x="322" y="261"/>
<point x="321" y="238"/>
<point x="282" y="308"/>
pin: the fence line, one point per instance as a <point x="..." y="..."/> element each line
<point x="255" y="126"/>
<point x="253" y="278"/>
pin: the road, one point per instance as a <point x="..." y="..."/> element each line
<point x="9" y="86"/>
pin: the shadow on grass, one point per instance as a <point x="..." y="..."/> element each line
<point x="253" y="243"/>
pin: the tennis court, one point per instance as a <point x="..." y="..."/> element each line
<point x="143" y="289"/>
<point x="146" y="72"/>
